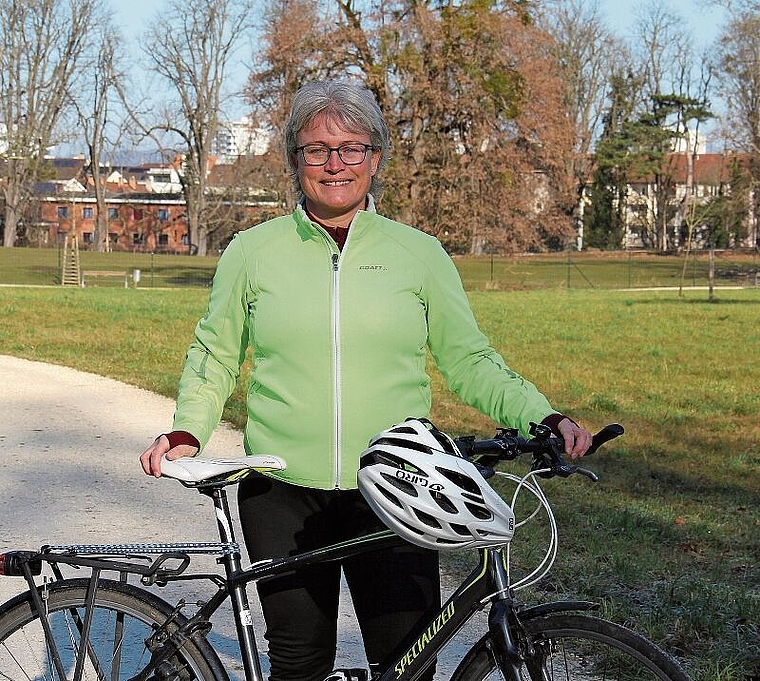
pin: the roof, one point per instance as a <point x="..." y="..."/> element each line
<point x="709" y="169"/>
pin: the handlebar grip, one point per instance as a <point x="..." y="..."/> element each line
<point x="606" y="434"/>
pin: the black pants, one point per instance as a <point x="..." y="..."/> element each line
<point x="393" y="590"/>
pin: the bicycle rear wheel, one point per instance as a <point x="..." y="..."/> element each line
<point x="577" y="648"/>
<point x="123" y="620"/>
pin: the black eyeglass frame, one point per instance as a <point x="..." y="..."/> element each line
<point x="337" y="149"/>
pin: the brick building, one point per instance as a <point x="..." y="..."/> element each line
<point x="145" y="208"/>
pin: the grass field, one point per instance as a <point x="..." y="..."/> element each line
<point x="668" y="540"/>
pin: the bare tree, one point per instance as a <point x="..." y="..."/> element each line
<point x="94" y="109"/>
<point x="291" y="48"/>
<point x="42" y="43"/>
<point x="190" y="47"/>
<point x="738" y="62"/>
<point x="588" y="55"/>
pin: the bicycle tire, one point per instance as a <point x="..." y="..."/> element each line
<point x="124" y="618"/>
<point x="577" y="647"/>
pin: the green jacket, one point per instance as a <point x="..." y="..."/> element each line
<point x="339" y="344"/>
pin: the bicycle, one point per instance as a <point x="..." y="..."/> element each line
<point x="109" y="629"/>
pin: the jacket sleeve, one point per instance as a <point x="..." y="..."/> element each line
<point x="213" y="361"/>
<point x="472" y="368"/>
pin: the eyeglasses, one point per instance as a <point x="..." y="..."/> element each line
<point x="319" y="154"/>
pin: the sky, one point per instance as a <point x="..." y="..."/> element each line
<point x="702" y="17"/>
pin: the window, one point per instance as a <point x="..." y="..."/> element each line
<point x="163" y="239"/>
<point x="88" y="212"/>
<point x="137" y="239"/>
<point x="113" y="237"/>
<point x="137" y="213"/>
<point x="163" y="214"/>
<point x="63" y="211"/>
<point x="87" y="237"/>
<point x="113" y="213"/>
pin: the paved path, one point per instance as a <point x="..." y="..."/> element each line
<point x="69" y="474"/>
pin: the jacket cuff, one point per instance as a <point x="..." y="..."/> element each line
<point x="553" y="420"/>
<point x="182" y="437"/>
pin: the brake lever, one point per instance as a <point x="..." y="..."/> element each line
<point x="585" y="471"/>
<point x="554" y="460"/>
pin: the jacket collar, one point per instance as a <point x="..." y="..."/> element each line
<point x="308" y="230"/>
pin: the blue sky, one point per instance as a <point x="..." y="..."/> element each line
<point x="703" y="19"/>
<point x="701" y="16"/>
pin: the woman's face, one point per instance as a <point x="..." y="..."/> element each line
<point x="335" y="191"/>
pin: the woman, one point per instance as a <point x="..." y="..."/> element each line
<point x="338" y="305"/>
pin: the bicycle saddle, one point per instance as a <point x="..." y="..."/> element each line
<point x="198" y="470"/>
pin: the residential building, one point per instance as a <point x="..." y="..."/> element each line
<point x="710" y="177"/>
<point x="239" y="138"/>
<point x="145" y="208"/>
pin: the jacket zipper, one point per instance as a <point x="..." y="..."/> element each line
<point x="337" y="404"/>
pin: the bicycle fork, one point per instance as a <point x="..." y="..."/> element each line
<point x="508" y="646"/>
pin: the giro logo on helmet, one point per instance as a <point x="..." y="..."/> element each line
<point x="419" y="481"/>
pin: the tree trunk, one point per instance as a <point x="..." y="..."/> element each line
<point x="12" y="215"/>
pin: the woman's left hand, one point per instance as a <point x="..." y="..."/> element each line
<point x="577" y="439"/>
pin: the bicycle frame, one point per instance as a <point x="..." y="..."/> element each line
<point x="487" y="583"/>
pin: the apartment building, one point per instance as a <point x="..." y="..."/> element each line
<point x="144" y="203"/>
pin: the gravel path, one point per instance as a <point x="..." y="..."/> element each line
<point x="69" y="474"/>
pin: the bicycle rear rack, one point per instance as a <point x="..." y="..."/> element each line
<point x="209" y="548"/>
<point x="170" y="560"/>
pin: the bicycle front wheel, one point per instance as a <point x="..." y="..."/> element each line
<point x="577" y="648"/>
<point x="123" y="625"/>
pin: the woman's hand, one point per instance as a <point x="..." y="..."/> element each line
<point x="577" y="439"/>
<point x="150" y="459"/>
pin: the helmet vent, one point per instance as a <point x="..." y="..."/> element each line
<point x="408" y="430"/>
<point x="460" y="480"/>
<point x="426" y="518"/>
<point x="446" y="542"/>
<point x="390" y="497"/>
<point x="444" y="502"/>
<point x="383" y="457"/>
<point x="401" y="485"/>
<point x="389" y="459"/>
<point x="410" y="528"/>
<point x="460" y="529"/>
<point x="403" y="442"/>
<point x="480" y="512"/>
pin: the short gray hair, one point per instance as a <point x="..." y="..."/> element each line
<point x="354" y="106"/>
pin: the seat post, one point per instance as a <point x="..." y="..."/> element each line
<point x="232" y="565"/>
<point x="222" y="507"/>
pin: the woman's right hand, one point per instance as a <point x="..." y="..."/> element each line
<point x="150" y="459"/>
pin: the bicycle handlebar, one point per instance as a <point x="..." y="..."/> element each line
<point x="547" y="450"/>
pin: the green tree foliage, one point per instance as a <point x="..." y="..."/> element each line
<point x="636" y="150"/>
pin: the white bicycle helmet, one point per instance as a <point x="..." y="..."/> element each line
<point x="414" y="478"/>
